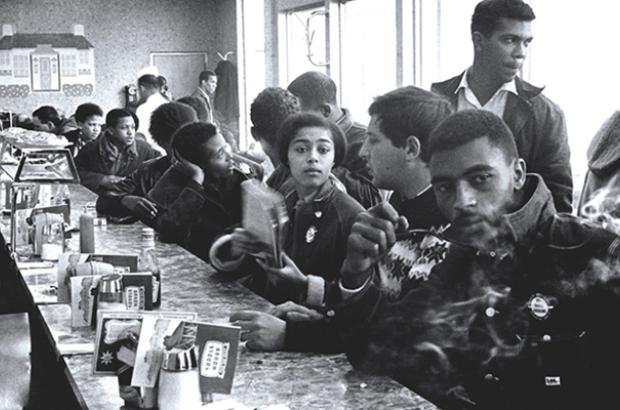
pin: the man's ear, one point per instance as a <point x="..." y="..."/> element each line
<point x="254" y="134"/>
<point x="325" y="110"/>
<point x="478" y="39"/>
<point x="520" y="171"/>
<point x="412" y="147"/>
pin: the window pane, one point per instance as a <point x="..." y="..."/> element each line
<point x="20" y="66"/>
<point x="304" y="34"/>
<point x="368" y="53"/>
<point x="68" y="65"/>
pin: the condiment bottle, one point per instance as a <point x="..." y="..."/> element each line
<point x="179" y="387"/>
<point x="87" y="229"/>
<point x="147" y="262"/>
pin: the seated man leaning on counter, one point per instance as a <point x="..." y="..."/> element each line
<point x="199" y="196"/>
<point x="512" y="318"/>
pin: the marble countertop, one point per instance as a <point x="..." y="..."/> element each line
<point x="297" y="380"/>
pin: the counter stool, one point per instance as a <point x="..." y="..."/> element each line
<point x="15" y="362"/>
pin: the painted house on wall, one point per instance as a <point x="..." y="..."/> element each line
<point x="46" y="62"/>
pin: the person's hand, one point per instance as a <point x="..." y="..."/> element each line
<point x="289" y="274"/>
<point x="294" y="312"/>
<point x="189" y="168"/>
<point x="372" y="235"/>
<point x="139" y="206"/>
<point x="244" y="242"/>
<point x="108" y="181"/>
<point x="261" y="330"/>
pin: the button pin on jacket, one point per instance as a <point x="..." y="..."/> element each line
<point x="310" y="234"/>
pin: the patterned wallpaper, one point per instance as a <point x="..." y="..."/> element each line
<point x="123" y="33"/>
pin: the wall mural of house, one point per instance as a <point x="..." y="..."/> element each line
<point x="50" y="62"/>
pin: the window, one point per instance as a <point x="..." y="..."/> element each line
<point x="368" y="54"/>
<point x="68" y="65"/>
<point x="303" y="47"/>
<point x="5" y="58"/>
<point x="84" y="56"/>
<point x="21" y="66"/>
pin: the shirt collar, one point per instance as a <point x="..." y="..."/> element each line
<point x="538" y="206"/>
<point x="203" y="92"/>
<point x="510" y="86"/>
<point x="110" y="152"/>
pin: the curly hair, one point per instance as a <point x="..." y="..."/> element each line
<point x="270" y="109"/>
<point x="167" y="119"/>
<point x="469" y="125"/>
<point x="295" y="122"/>
<point x="87" y="110"/>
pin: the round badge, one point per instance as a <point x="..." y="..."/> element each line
<point x="539" y="306"/>
<point x="310" y="234"/>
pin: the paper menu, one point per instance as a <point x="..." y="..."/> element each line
<point x="264" y="215"/>
<point x="218" y="347"/>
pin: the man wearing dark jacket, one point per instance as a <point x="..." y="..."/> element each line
<point x="501" y="34"/>
<point x="128" y="197"/>
<point x="115" y="154"/>
<point x="199" y="196"/>
<point x="512" y="317"/>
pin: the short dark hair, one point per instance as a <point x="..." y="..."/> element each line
<point x="149" y="81"/>
<point x="197" y="104"/>
<point x="469" y="125"/>
<point x="47" y="113"/>
<point x="295" y="122"/>
<point x="314" y="89"/>
<point x="167" y="118"/>
<point x="191" y="136"/>
<point x="488" y="12"/>
<point x="87" y="110"/>
<point x="204" y="76"/>
<point x="410" y="111"/>
<point x="269" y="109"/>
<point x="111" y="119"/>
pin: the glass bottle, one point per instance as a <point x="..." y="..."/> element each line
<point x="147" y="262"/>
<point x="87" y="229"/>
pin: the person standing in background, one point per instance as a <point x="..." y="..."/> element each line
<point x="149" y="91"/>
<point x="207" y="84"/>
<point x="501" y="33"/>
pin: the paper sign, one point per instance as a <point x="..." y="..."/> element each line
<point x="218" y="347"/>
<point x="83" y="289"/>
<point x="117" y="329"/>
